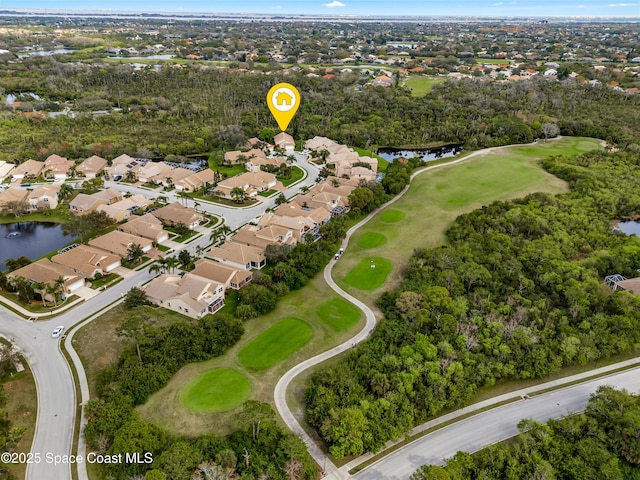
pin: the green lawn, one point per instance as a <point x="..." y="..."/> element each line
<point x="492" y="61"/>
<point x="276" y="343"/>
<point x="369" y="274"/>
<point x="267" y="193"/>
<point x="217" y="390"/>
<point x="421" y="86"/>
<point x="296" y="175"/>
<point x="372" y="240"/>
<point x="339" y="314"/>
<point x="436" y="197"/>
<point x="391" y="216"/>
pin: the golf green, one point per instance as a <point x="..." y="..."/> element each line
<point x="372" y="240"/>
<point x="277" y="342"/>
<point x="339" y="314"/>
<point x="369" y="274"/>
<point x="217" y="390"/>
<point x="391" y="216"/>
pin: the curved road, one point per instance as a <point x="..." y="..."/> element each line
<point x="330" y="470"/>
<point x="474" y="433"/>
<point x="57" y="398"/>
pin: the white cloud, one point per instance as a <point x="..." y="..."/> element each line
<point x="334" y="4"/>
<point x="498" y="4"/>
<point x="623" y="4"/>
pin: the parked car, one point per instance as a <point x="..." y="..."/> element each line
<point x="57" y="331"/>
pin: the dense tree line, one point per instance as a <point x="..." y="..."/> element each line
<point x="199" y="106"/>
<point x="603" y="443"/>
<point x="517" y="292"/>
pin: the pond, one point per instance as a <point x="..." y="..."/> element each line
<point x="45" y="53"/>
<point x="31" y="239"/>
<point x="630" y="227"/>
<point x="426" y="154"/>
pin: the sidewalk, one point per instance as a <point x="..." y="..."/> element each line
<point x="26" y="313"/>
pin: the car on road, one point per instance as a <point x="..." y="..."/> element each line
<point x="57" y="331"/>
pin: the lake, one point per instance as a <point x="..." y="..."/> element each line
<point x="31" y="239"/>
<point x="630" y="227"/>
<point x="425" y="154"/>
<point x="45" y="53"/>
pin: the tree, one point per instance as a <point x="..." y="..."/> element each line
<point x="135" y="298"/>
<point x="219" y="235"/>
<point x="84" y="226"/>
<point x="184" y="258"/>
<point x="238" y="195"/>
<point x="550" y="130"/>
<point x="17" y="263"/>
<point x="280" y="199"/>
<point x="361" y="199"/>
<point x="24" y="289"/>
<point x="134" y="253"/>
<point x="431" y="472"/>
<point x="254" y="415"/>
<point x="65" y="191"/>
<point x="293" y="469"/>
<point x="130" y="177"/>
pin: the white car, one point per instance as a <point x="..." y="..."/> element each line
<point x="57" y="331"/>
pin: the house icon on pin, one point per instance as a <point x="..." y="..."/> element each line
<point x="284" y="99"/>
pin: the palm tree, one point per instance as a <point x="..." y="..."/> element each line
<point x="219" y="235"/>
<point x="65" y="191"/>
<point x="172" y="263"/>
<point x="40" y="288"/>
<point x="130" y="177"/>
<point x="238" y="195"/>
<point x="58" y="288"/>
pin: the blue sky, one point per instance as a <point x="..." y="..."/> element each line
<point x="544" y="8"/>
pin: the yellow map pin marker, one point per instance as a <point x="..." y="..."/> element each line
<point x="283" y="100"/>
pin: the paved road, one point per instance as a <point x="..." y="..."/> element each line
<point x="475" y="433"/>
<point x="57" y="397"/>
<point x="234" y="217"/>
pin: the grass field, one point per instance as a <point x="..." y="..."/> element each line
<point x="421" y="86"/>
<point x="391" y="216"/>
<point x="217" y="390"/>
<point x="22" y="409"/>
<point x="310" y="304"/>
<point x="296" y="175"/>
<point x="438" y="196"/>
<point x="369" y="274"/>
<point x="276" y="343"/>
<point x="372" y="240"/>
<point x="339" y="313"/>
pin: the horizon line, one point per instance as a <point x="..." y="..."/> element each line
<point x="280" y="14"/>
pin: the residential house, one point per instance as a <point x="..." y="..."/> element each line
<point x="284" y="141"/>
<point x="28" y="169"/>
<point x="196" y="181"/>
<point x="191" y="295"/>
<point x="236" y="157"/>
<point x="251" y="183"/>
<point x="47" y="272"/>
<point x="147" y="226"/>
<point x="43" y="197"/>
<point x="85" y="203"/>
<point x="298" y="225"/>
<point x="152" y="172"/>
<point x="255" y="164"/>
<point x="91" y="167"/>
<point x="125" y="207"/>
<point x="14" y="198"/>
<point x="319" y="143"/>
<point x="119" y="167"/>
<point x="87" y="261"/>
<point x="239" y="256"/>
<point x="255" y="236"/>
<point x="57" y="167"/>
<point x="175" y="214"/>
<point x="175" y="176"/>
<point x="5" y="170"/>
<point x="118" y="243"/>
<point x="230" y="277"/>
<point x="382" y="81"/>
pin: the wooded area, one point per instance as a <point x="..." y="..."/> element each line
<point x="516" y="293"/>
<point x="204" y="109"/>
<point x="601" y="443"/>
